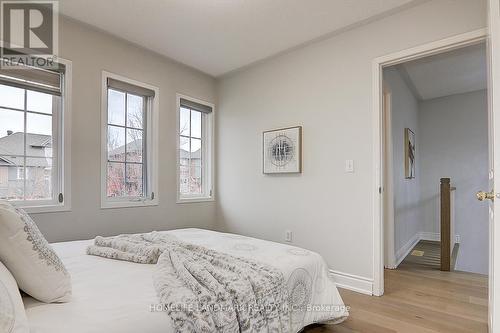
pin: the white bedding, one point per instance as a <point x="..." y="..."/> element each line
<point x="118" y="296"/>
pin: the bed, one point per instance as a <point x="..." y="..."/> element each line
<point x="118" y="296"/>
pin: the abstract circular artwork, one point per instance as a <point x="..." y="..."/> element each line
<point x="282" y="150"/>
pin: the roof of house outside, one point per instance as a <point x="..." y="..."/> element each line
<point x="36" y="148"/>
<point x="38" y="143"/>
<point x="133" y="146"/>
<point x="136" y="146"/>
<point x="184" y="154"/>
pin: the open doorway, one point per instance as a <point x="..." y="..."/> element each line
<point x="435" y="157"/>
<point x="436" y="132"/>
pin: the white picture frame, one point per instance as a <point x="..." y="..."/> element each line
<point x="282" y="150"/>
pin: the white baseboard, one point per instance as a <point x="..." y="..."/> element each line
<point x="435" y="236"/>
<point x="430" y="236"/>
<point x="353" y="282"/>
<point x="406" y="249"/>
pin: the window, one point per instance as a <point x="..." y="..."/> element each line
<point x="194" y="162"/>
<point x="129" y="137"/>
<point x="20" y="173"/>
<point x="33" y="112"/>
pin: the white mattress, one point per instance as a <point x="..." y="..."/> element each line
<point x="117" y="296"/>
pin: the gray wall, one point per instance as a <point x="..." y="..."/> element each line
<point x="92" y="51"/>
<point x="407" y="218"/>
<point x="327" y="88"/>
<point x="454" y="143"/>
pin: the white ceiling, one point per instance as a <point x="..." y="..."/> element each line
<point x="219" y="36"/>
<point x="456" y="72"/>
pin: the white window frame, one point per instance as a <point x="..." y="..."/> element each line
<point x="151" y="146"/>
<point x="208" y="175"/>
<point x="62" y="146"/>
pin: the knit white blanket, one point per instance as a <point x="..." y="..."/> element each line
<point x="203" y="290"/>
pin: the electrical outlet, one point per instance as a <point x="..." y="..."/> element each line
<point x="288" y="236"/>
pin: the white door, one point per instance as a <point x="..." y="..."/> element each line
<point x="494" y="143"/>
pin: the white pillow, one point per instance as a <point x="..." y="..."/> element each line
<point x="12" y="314"/>
<point x="26" y="253"/>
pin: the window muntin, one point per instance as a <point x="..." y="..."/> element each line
<point x="129" y="137"/>
<point x="29" y="132"/>
<point x="126" y="173"/>
<point x="194" y="154"/>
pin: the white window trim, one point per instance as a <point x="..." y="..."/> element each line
<point x="152" y="149"/>
<point x="208" y="151"/>
<point x="63" y="181"/>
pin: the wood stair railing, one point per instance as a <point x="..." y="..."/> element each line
<point x="447" y="224"/>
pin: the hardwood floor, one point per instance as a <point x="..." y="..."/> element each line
<point x="418" y="299"/>
<point x="429" y="253"/>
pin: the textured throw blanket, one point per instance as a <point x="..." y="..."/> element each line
<point x="203" y="290"/>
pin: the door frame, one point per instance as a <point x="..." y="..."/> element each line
<point x="425" y="50"/>
<point x="388" y="181"/>
<point x="494" y="158"/>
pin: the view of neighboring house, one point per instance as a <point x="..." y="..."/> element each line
<point x="126" y="177"/>
<point x="190" y="171"/>
<point x="25" y="178"/>
<point x="125" y="170"/>
<point x="31" y="179"/>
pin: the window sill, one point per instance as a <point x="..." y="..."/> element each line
<point x="39" y="209"/>
<point x="194" y="200"/>
<point x="128" y="204"/>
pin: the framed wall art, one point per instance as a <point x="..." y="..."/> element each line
<point x="409" y="154"/>
<point x="282" y="150"/>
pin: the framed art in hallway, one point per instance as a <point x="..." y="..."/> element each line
<point x="282" y="150"/>
<point x="409" y="154"/>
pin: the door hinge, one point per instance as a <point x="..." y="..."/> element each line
<point x="152" y="195"/>
<point x="380" y="190"/>
<point x="60" y="198"/>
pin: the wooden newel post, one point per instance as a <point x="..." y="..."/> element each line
<point x="445" y="224"/>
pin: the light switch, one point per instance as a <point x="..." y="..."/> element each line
<point x="349" y="166"/>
